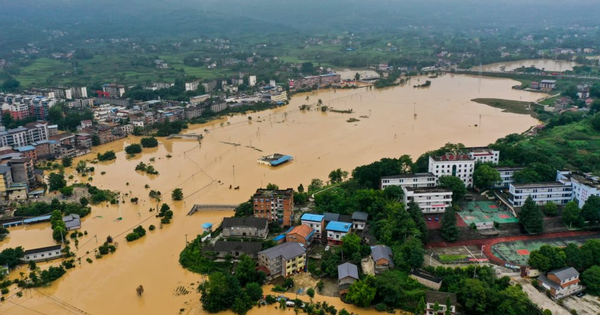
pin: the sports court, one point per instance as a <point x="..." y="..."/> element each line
<point x="517" y="252"/>
<point x="480" y="212"/>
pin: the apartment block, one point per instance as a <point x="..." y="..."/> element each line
<point x="274" y="205"/>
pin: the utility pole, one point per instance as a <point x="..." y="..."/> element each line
<point x="233" y="174"/>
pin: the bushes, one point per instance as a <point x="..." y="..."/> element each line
<point x="107" y="156"/>
<point x="146" y="168"/>
<point x="136" y="234"/>
<point x="133" y="149"/>
<point x="166" y="214"/>
<point x="150" y="142"/>
<point x="107" y="248"/>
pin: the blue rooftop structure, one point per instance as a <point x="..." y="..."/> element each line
<point x="207" y="226"/>
<point x="37" y="219"/>
<point x="339" y="226"/>
<point x="279" y="237"/>
<point x="281" y="160"/>
<point x="312" y="217"/>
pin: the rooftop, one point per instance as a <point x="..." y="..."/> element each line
<point x="564" y="273"/>
<point x="303" y="230"/>
<point x="339" y="226"/>
<point x="413" y="175"/>
<point x="440" y="297"/>
<point x="259" y="223"/>
<point x="382" y="252"/>
<point x="425" y="190"/>
<point x="426" y="275"/>
<point x="250" y="248"/>
<point x="287" y="250"/>
<point x="360" y="216"/>
<point x="539" y="185"/>
<point x="508" y="168"/>
<point x="43" y="249"/>
<point x="449" y="157"/>
<point x="312" y="217"/>
<point x="269" y="193"/>
<point x="347" y="270"/>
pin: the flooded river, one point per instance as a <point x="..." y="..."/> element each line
<point x="545" y="64"/>
<point x="319" y="143"/>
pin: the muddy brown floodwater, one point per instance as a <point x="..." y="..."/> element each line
<point x="319" y="143"/>
<point x="546" y="64"/>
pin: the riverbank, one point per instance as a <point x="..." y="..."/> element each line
<point x="510" y="106"/>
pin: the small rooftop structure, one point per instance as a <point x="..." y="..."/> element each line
<point x="414" y="175"/>
<point x="258" y="223"/>
<point x="564" y="274"/>
<point x="275" y="159"/>
<point x="286" y="250"/>
<point x="72" y="222"/>
<point x="382" y="253"/>
<point x="207" y="227"/>
<point x="452" y="157"/>
<point x="360" y="216"/>
<point x="347" y="270"/>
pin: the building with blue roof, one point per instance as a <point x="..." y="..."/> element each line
<point x="275" y="159"/>
<point x="316" y="222"/>
<point x="336" y="230"/>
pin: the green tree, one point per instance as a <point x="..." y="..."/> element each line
<point x="360" y="293"/>
<point x="11" y="256"/>
<point x="177" y="194"/>
<point x="271" y="186"/>
<point x="455" y="184"/>
<point x="56" y="181"/>
<point x="133" y="149"/>
<point x="310" y="292"/>
<point x="485" y="176"/>
<point x="550" y="209"/>
<point x="591" y="279"/>
<point x="571" y="214"/>
<point x="11" y="85"/>
<point x="254" y="291"/>
<point x="531" y="217"/>
<point x="351" y="244"/>
<point x="246" y="271"/>
<point x="547" y="258"/>
<point x="591" y="210"/>
<point x="300" y="188"/>
<point x="513" y="301"/>
<point x="315" y="184"/>
<point x="149" y="142"/>
<point x="96" y="140"/>
<point x="421" y="307"/>
<point x="245" y="209"/>
<point x="67" y="191"/>
<point x="596" y="122"/>
<point x="67" y="161"/>
<point x="81" y="166"/>
<point x="474" y="296"/>
<point x="417" y="215"/>
<point x="450" y="231"/>
<point x="219" y="292"/>
<point x="337" y="176"/>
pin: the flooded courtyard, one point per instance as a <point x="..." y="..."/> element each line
<point x="391" y="122"/>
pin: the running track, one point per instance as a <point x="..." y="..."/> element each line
<point x="488" y="243"/>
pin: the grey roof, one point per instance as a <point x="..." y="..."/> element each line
<point x="426" y="275"/>
<point x="331" y="216"/>
<point x="382" y="252"/>
<point x="564" y="273"/>
<point x="4" y="169"/>
<point x="548" y="282"/>
<point x="360" y="216"/>
<point x="347" y="270"/>
<point x="440" y="297"/>
<point x="72" y="221"/>
<point x="43" y="249"/>
<point x="259" y="223"/>
<point x="287" y="250"/>
<point x="250" y="248"/>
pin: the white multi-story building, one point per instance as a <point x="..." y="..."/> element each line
<point x="506" y="174"/>
<point x="459" y="165"/>
<point x="252" y="80"/>
<point x="192" y="86"/>
<point x="409" y="180"/>
<point x="314" y="221"/>
<point x="429" y="199"/>
<point x="23" y="136"/>
<point x="557" y="192"/>
<point x="484" y="155"/>
<point x="584" y="185"/>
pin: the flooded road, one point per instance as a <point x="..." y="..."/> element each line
<point x="543" y="64"/>
<point x="319" y="143"/>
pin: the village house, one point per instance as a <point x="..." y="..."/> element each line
<point x="302" y="234"/>
<point x="437" y="303"/>
<point x="43" y="253"/>
<point x="245" y="227"/>
<point x="347" y="275"/>
<point x="427" y="279"/>
<point x="283" y="260"/>
<point x="72" y="222"/>
<point x="561" y="282"/>
<point x="336" y="230"/>
<point x="316" y="222"/>
<point x="359" y="220"/>
<point x="382" y="257"/>
<point x="223" y="249"/>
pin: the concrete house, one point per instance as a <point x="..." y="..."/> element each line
<point x="336" y="230"/>
<point x="72" y="221"/>
<point x="382" y="257"/>
<point x="235" y="249"/>
<point x="347" y="275"/>
<point x="359" y="220"/>
<point x="441" y="298"/>
<point x="283" y="260"/>
<point x="561" y="282"/>
<point x="302" y="234"/>
<point x="427" y="279"/>
<point x="245" y="227"/>
<point x="316" y="222"/>
<point x="43" y="253"/>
